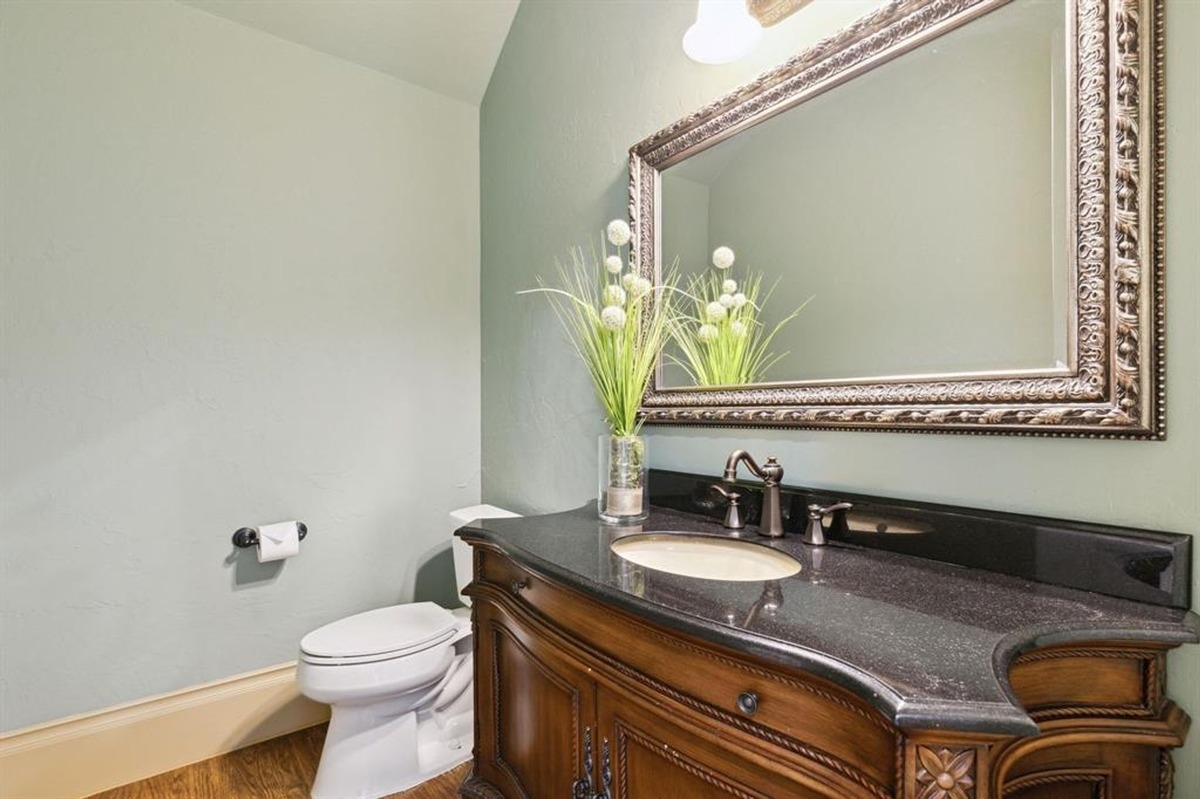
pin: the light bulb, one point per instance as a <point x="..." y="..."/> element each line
<point x="723" y="32"/>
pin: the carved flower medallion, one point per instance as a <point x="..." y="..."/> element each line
<point x="945" y="773"/>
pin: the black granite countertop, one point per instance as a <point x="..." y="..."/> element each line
<point x="927" y="643"/>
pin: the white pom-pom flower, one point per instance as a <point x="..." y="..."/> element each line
<point x="738" y="329"/>
<point x="614" y="295"/>
<point x="613" y="264"/>
<point x="629" y="280"/>
<point x="619" y="233"/>
<point x="641" y="288"/>
<point x="726" y="300"/>
<point x="613" y="317"/>
<point x="729" y="287"/>
<point x="715" y="312"/>
<point x="707" y="333"/>
<point x="739" y="300"/>
<point x="722" y="258"/>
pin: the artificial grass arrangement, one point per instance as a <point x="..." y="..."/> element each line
<point x="724" y="343"/>
<point x="616" y="320"/>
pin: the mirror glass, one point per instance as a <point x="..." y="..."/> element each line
<point x="922" y="206"/>
<point x="970" y="191"/>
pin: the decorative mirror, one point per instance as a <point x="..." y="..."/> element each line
<point x="970" y="191"/>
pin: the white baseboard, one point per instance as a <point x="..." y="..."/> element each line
<point x="82" y="755"/>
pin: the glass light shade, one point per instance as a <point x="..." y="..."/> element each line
<point x="723" y="32"/>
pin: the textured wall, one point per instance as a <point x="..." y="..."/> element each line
<point x="239" y="285"/>
<point x="577" y="84"/>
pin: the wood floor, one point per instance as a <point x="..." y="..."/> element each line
<point x="282" y="768"/>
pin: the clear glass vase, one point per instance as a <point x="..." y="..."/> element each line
<point x="624" y="496"/>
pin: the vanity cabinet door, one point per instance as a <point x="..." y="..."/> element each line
<point x="652" y="750"/>
<point x="1106" y="725"/>
<point x="534" y="704"/>
<point x="1100" y="770"/>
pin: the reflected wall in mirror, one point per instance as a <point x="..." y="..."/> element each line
<point x="972" y="191"/>
<point x="898" y="209"/>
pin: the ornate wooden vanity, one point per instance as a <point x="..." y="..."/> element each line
<point x="594" y="681"/>
<point x="920" y="666"/>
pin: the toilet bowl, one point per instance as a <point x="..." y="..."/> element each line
<point x="399" y="683"/>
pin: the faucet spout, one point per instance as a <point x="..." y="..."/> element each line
<point x="731" y="464"/>
<point x="771" y="473"/>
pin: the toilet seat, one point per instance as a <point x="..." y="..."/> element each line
<point x="378" y="635"/>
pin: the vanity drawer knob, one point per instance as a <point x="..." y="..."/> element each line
<point x="747" y="702"/>
<point x="517" y="585"/>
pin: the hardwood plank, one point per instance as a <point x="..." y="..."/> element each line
<point x="282" y="768"/>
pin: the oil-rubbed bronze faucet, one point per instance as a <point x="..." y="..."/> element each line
<point x="733" y="511"/>
<point x="771" y="473"/>
<point x="814" y="533"/>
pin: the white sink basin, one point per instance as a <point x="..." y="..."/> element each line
<point x="705" y="556"/>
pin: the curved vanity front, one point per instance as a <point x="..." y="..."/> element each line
<point x="866" y="674"/>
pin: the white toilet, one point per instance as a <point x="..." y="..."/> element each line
<point x="399" y="680"/>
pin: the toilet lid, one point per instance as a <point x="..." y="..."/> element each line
<point x="384" y="632"/>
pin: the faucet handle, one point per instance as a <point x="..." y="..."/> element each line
<point x="814" y="531"/>
<point x="733" y="513"/>
<point x="816" y="511"/>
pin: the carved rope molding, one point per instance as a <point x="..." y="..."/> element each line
<point x="793" y="745"/>
<point x="498" y="632"/>
<point x="1166" y="775"/>
<point x="673" y="756"/>
<point x="805" y="750"/>
<point x="1097" y="781"/>
<point x="1116" y="389"/>
<point x="864" y="713"/>
<point x="1154" y="682"/>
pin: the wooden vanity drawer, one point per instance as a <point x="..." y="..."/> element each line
<point x="496" y="571"/>
<point x="1089" y="680"/>
<point x="798" y="712"/>
<point x="792" y="710"/>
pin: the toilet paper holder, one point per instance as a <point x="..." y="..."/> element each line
<point x="246" y="537"/>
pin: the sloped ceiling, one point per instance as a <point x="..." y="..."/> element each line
<point x="447" y="46"/>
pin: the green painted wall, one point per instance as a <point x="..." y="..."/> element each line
<point x="239" y="285"/>
<point x="580" y="82"/>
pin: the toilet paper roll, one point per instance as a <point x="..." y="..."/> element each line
<point x="278" y="541"/>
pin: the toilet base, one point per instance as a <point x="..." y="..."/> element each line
<point x="366" y="757"/>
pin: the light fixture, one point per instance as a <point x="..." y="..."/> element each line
<point x="724" y="31"/>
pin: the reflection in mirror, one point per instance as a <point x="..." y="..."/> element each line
<point x="922" y="203"/>
<point x="724" y="340"/>
<point x="972" y="191"/>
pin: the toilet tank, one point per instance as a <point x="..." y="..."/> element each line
<point x="462" y="550"/>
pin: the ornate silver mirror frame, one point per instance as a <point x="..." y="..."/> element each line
<point x="1113" y="387"/>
